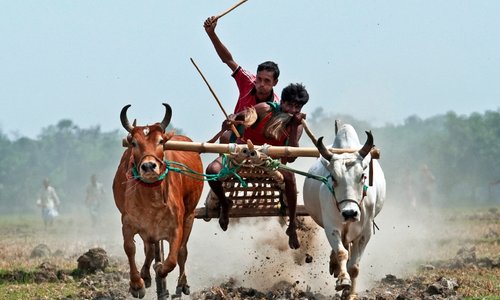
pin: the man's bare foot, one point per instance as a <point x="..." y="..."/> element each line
<point x="293" y="241"/>
<point x="224" y="215"/>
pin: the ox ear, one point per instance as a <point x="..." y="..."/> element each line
<point x="322" y="150"/>
<point x="368" y="145"/>
<point x="125" y="143"/>
<point x="166" y="137"/>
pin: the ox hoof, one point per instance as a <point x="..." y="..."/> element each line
<point x="164" y="296"/>
<point x="346" y="295"/>
<point x="342" y="284"/>
<point x="147" y="281"/>
<point x="184" y="289"/>
<point x="138" y="293"/>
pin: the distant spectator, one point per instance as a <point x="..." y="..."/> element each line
<point x="495" y="182"/>
<point x="94" y="198"/>
<point x="409" y="188"/>
<point x="427" y="184"/>
<point x="49" y="203"/>
<point x="493" y="190"/>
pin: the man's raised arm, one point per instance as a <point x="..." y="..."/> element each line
<point x="221" y="50"/>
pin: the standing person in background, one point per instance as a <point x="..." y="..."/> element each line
<point x="253" y="88"/>
<point x="427" y="186"/>
<point x="94" y="198"/>
<point x="49" y="203"/>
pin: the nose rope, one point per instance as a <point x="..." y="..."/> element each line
<point x="227" y="170"/>
<point x="135" y="172"/>
<point x="154" y="156"/>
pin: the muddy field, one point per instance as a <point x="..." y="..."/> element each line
<point x="432" y="254"/>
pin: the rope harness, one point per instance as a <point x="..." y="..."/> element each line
<point x="230" y="167"/>
<point x="180" y="168"/>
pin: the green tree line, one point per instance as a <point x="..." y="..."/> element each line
<point x="462" y="153"/>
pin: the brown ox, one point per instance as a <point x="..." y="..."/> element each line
<point x="153" y="207"/>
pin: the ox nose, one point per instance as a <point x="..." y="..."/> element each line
<point x="349" y="214"/>
<point x="148" y="166"/>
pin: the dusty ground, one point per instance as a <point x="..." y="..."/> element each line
<point x="411" y="259"/>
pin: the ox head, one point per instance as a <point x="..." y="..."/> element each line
<point x="348" y="171"/>
<point x="146" y="144"/>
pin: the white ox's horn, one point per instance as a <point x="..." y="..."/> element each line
<point x="368" y="145"/>
<point x="322" y="149"/>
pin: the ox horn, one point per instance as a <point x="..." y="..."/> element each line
<point x="368" y="145"/>
<point x="322" y="149"/>
<point x="166" y="118"/>
<point x="124" y="119"/>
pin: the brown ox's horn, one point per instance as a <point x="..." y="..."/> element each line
<point x="166" y="118"/>
<point x="124" y="119"/>
<point x="322" y="149"/>
<point x="368" y="145"/>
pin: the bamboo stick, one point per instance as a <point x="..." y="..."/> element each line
<point x="230" y="9"/>
<point x="274" y="151"/>
<point x="233" y="128"/>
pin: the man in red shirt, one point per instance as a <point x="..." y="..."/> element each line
<point x="253" y="88"/>
<point x="272" y="124"/>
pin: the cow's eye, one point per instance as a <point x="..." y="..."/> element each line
<point x="161" y="141"/>
<point x="134" y="143"/>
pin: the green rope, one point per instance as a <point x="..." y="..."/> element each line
<point x="136" y="175"/>
<point x="323" y="179"/>
<point x="226" y="171"/>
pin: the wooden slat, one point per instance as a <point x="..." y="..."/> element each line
<point x="260" y="198"/>
<point x="242" y="212"/>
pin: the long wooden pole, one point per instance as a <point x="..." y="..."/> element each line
<point x="230" y="9"/>
<point x="274" y="151"/>
<point x="309" y="132"/>
<point x="235" y="131"/>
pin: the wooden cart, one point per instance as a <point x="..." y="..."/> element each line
<point x="258" y="192"/>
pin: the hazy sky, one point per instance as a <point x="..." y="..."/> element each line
<point x="380" y="61"/>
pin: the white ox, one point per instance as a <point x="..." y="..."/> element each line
<point x="348" y="213"/>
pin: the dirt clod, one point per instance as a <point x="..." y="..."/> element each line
<point x="93" y="260"/>
<point x="40" y="251"/>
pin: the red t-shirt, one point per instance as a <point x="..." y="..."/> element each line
<point x="255" y="133"/>
<point x="246" y="85"/>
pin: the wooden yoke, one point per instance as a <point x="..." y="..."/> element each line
<point x="273" y="151"/>
<point x="258" y="188"/>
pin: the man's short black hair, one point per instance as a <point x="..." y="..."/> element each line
<point x="271" y="67"/>
<point x="295" y="92"/>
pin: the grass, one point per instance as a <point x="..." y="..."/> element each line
<point x="71" y="238"/>
<point x="39" y="291"/>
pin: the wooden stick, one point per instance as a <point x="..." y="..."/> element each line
<point x="274" y="151"/>
<point x="216" y="99"/>
<point x="309" y="132"/>
<point x="230" y="9"/>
